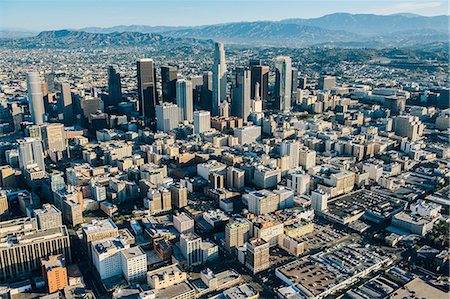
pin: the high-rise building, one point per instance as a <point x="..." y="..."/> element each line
<point x="291" y="148"/>
<point x="235" y="178"/>
<point x="191" y="248"/>
<point x="106" y="256"/>
<point x="183" y="223"/>
<point x="303" y="83"/>
<point x="257" y="255"/>
<point x="167" y="117"/>
<point x="179" y="195"/>
<point x="4" y="206"/>
<point x="158" y="201"/>
<point x="283" y="83"/>
<point x="35" y="98"/>
<point x="237" y="234"/>
<point x="55" y="273"/>
<point x="134" y="264"/>
<point x="169" y="81"/>
<point x="114" y="87"/>
<point x="408" y="126"/>
<point x="326" y="82"/>
<point x="294" y="84"/>
<point x="219" y="84"/>
<point x="147" y="96"/>
<point x="202" y="121"/>
<point x="262" y="202"/>
<point x="48" y="216"/>
<point x="240" y="105"/>
<point x="53" y="137"/>
<point x="206" y="92"/>
<point x="184" y="100"/>
<point x="260" y="75"/>
<point x="21" y="250"/>
<point x="65" y="105"/>
<point x="307" y="158"/>
<point x="98" y="230"/>
<point x="31" y="154"/>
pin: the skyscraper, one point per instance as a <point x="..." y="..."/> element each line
<point x="260" y="75"/>
<point x="240" y="105"/>
<point x="53" y="137"/>
<point x="206" y="93"/>
<point x="169" y="81"/>
<point x="114" y="87"/>
<point x="65" y="104"/>
<point x="35" y="98"/>
<point x="219" y="88"/>
<point x="283" y="83"/>
<point x="202" y="121"/>
<point x="146" y="76"/>
<point x="294" y="84"/>
<point x="184" y="99"/>
<point x="31" y="153"/>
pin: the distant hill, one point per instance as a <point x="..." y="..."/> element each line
<point x="335" y="30"/>
<point x="77" y="39"/>
<point x="371" y="24"/>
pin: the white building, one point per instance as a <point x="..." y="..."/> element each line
<point x="248" y="134"/>
<point x="106" y="256"/>
<point x="134" y="264"/>
<point x="202" y="121"/>
<point x="183" y="223"/>
<point x="299" y="182"/>
<point x="167" y="117"/>
<point x="190" y="245"/>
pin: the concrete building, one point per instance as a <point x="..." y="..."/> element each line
<point x="134" y="264"/>
<point x="190" y="245"/>
<point x="237" y="234"/>
<point x="106" y="256"/>
<point x="167" y="116"/>
<point x="248" y="134"/>
<point x="291" y="148"/>
<point x="31" y="154"/>
<point x="36" y="244"/>
<point x="48" y="216"/>
<point x="53" y="137"/>
<point x="283" y="83"/>
<point x="240" y="105"/>
<point x="202" y="121"/>
<point x="307" y="158"/>
<point x="169" y="76"/>
<point x="183" y="223"/>
<point x="179" y="195"/>
<point x="326" y="82"/>
<point x="257" y="255"/>
<point x="98" y="230"/>
<point x="408" y="126"/>
<point x="262" y="202"/>
<point x="147" y="95"/>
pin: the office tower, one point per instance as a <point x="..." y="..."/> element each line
<point x="197" y="85"/>
<point x="36" y="244"/>
<point x="106" y="256"/>
<point x="303" y="83"/>
<point x="48" y="216"/>
<point x="55" y="273"/>
<point x="134" y="264"/>
<point x="257" y="255"/>
<point x="98" y="230"/>
<point x="167" y="117"/>
<point x="53" y="137"/>
<point x="183" y="223"/>
<point x="114" y="87"/>
<point x="408" y="126"/>
<point x="256" y="102"/>
<point x="240" y="104"/>
<point x="206" y="92"/>
<point x="291" y="148"/>
<point x="34" y="131"/>
<point x="184" y="100"/>
<point x="202" y="121"/>
<point x="237" y="234"/>
<point x="169" y="83"/>
<point x="299" y="182"/>
<point x="191" y="248"/>
<point x="65" y="105"/>
<point x="260" y="75"/>
<point x="294" y="84"/>
<point x="35" y="98"/>
<point x="326" y="82"/>
<point x="235" y="178"/>
<point x="224" y="109"/>
<point x="179" y="195"/>
<point x="283" y="83"/>
<point x="219" y="86"/>
<point x="147" y="96"/>
<point x="307" y="158"/>
<point x="31" y="153"/>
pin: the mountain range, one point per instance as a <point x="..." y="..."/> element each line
<point x="339" y="29"/>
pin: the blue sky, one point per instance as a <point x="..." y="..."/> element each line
<point x="57" y="14"/>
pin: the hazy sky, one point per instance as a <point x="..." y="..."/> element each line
<point x="57" y="14"/>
